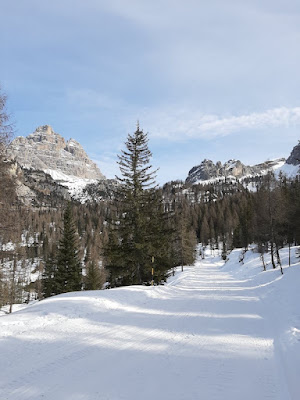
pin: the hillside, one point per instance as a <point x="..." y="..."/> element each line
<point x="214" y="331"/>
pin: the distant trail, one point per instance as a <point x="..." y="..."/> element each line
<point x="203" y="336"/>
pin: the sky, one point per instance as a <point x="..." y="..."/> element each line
<point x="214" y="79"/>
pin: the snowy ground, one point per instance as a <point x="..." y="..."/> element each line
<point x="214" y="332"/>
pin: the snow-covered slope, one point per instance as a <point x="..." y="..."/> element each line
<point x="289" y="170"/>
<point x="214" y="331"/>
<point x="74" y="184"/>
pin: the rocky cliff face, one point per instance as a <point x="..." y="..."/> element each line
<point x="294" y="158"/>
<point x="207" y="170"/>
<point x="36" y="188"/>
<point x="48" y="151"/>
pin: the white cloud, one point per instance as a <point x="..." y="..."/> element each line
<point x="184" y="124"/>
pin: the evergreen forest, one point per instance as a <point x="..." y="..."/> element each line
<point x="140" y="233"/>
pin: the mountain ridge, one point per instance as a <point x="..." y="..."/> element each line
<point x="48" y="151"/>
<point x="207" y="170"/>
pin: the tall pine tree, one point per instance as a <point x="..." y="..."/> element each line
<point x="68" y="272"/>
<point x="137" y="233"/>
<point x="49" y="277"/>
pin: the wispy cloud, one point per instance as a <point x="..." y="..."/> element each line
<point x="177" y="123"/>
<point x="183" y="124"/>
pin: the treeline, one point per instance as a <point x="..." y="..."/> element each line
<point x="139" y="233"/>
<point x="269" y="216"/>
<point x="130" y="239"/>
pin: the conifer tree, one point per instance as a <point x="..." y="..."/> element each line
<point x="68" y="274"/>
<point x="204" y="232"/>
<point x="185" y="235"/>
<point x="137" y="233"/>
<point x="94" y="279"/>
<point x="49" y="277"/>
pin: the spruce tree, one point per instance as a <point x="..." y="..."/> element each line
<point x="185" y="235"/>
<point x="68" y="273"/>
<point x="137" y="233"/>
<point x="49" y="286"/>
<point x="94" y="279"/>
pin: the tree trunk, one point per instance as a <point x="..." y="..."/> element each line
<point x="272" y="255"/>
<point x="13" y="286"/>
<point x="263" y="261"/>
<point x="278" y="259"/>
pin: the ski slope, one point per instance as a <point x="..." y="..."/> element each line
<point x="213" y="332"/>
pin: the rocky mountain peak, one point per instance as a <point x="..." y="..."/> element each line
<point x="208" y="170"/>
<point x="46" y="129"/>
<point x="294" y="158"/>
<point x="48" y="151"/>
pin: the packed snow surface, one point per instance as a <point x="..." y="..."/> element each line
<point x="213" y="332"/>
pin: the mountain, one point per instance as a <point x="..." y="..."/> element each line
<point x="208" y="171"/>
<point x="294" y="158"/>
<point x="48" y="151"/>
<point x="37" y="188"/>
<point x="46" y="160"/>
<point x="292" y="166"/>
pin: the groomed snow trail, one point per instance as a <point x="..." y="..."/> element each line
<point x="204" y="336"/>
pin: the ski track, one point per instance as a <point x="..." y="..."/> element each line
<point x="204" y="336"/>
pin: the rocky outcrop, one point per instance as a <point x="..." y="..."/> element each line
<point x="207" y="170"/>
<point x="294" y="158"/>
<point x="48" y="151"/>
<point x="37" y="188"/>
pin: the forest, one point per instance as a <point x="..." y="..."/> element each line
<point x="139" y="233"/>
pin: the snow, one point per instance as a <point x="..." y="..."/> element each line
<point x="16" y="307"/>
<point x="74" y="184"/>
<point x="217" y="179"/>
<point x="10" y="246"/>
<point x="212" y="332"/>
<point x="276" y="166"/>
<point x="289" y="170"/>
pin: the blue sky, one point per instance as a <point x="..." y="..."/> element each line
<point x="214" y="79"/>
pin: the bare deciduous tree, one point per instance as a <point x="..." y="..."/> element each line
<point x="6" y="188"/>
<point x="8" y="223"/>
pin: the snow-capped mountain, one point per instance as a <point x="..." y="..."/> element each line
<point x="48" y="151"/>
<point x="294" y="158"/>
<point x="292" y="166"/>
<point x="65" y="161"/>
<point x="208" y="171"/>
